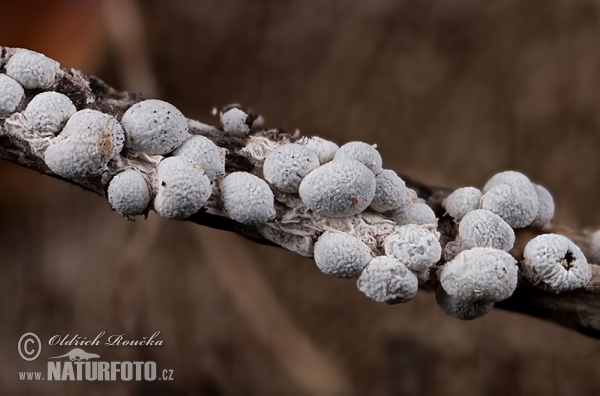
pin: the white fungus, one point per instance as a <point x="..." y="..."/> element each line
<point x="387" y="280"/>
<point x="460" y="309"/>
<point x="339" y="188"/>
<point x="554" y="263"/>
<point x="461" y="202"/>
<point x="546" y="206"/>
<point x="11" y="94"/>
<point x="361" y="152"/>
<point x="128" y="193"/>
<point x="89" y="140"/>
<point x="511" y="178"/>
<point x="234" y="122"/>
<point x="183" y="188"/>
<point x="32" y="69"/>
<point x="415" y="246"/>
<point x="415" y="213"/>
<point x="390" y="191"/>
<point x="484" y="274"/>
<point x="286" y="166"/>
<point x="482" y="228"/>
<point x="341" y="255"/>
<point x="48" y="111"/>
<point x="325" y="149"/>
<point x="246" y="198"/>
<point x="205" y="154"/>
<point x="154" y="127"/>
<point x="511" y="196"/>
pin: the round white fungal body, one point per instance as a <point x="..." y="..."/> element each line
<point x="48" y="111"/>
<point x="341" y="255"/>
<point x="390" y="191"/>
<point x="546" y="206"/>
<point x="554" y="263"/>
<point x="11" y="94"/>
<point x="286" y="166"/>
<point x="154" y="127"/>
<point x="89" y="140"/>
<point x="246" y="198"/>
<point x="339" y="188"/>
<point x="235" y="122"/>
<point x="387" y="280"/>
<point x="363" y="153"/>
<point x="325" y="149"/>
<point x="460" y="309"/>
<point x="32" y="69"/>
<point x="482" y="228"/>
<point x="511" y="196"/>
<point x="480" y="274"/>
<point x="415" y="246"/>
<point x="204" y="153"/>
<point x="416" y="213"/>
<point x="512" y="178"/>
<point x="461" y="202"/>
<point x="183" y="188"/>
<point x="128" y="193"/>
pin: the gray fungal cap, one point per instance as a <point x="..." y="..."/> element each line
<point x="461" y="202"/>
<point x="247" y="199"/>
<point x="89" y="140"/>
<point x="128" y="193"/>
<point x="482" y="228"/>
<point x="511" y="196"/>
<point x="325" y="149"/>
<point x="11" y="94"/>
<point x="416" y="213"/>
<point x="387" y="280"/>
<point x="202" y="151"/>
<point x="511" y="178"/>
<point x="363" y="153"/>
<point x="235" y="122"/>
<point x="183" y="188"/>
<point x="154" y="127"/>
<point x="480" y="274"/>
<point x="32" y="69"/>
<point x="546" y="206"/>
<point x="460" y="309"/>
<point x="415" y="246"/>
<point x="390" y="191"/>
<point x="554" y="263"/>
<point x="343" y="187"/>
<point x="48" y="111"/>
<point x="285" y="167"/>
<point x="341" y="255"/>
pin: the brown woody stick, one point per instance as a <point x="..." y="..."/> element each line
<point x="578" y="310"/>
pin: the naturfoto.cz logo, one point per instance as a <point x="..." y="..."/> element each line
<point x="78" y="364"/>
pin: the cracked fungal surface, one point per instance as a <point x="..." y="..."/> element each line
<point x="286" y="166"/>
<point x="342" y="187"/>
<point x="480" y="274"/>
<point x="386" y="279"/>
<point x="417" y="247"/>
<point x="554" y="263"/>
<point x="341" y="255"/>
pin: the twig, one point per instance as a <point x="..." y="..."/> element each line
<point x="578" y="310"/>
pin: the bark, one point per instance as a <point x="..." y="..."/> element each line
<point x="578" y="310"/>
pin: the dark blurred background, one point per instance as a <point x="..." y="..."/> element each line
<point x="451" y="91"/>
